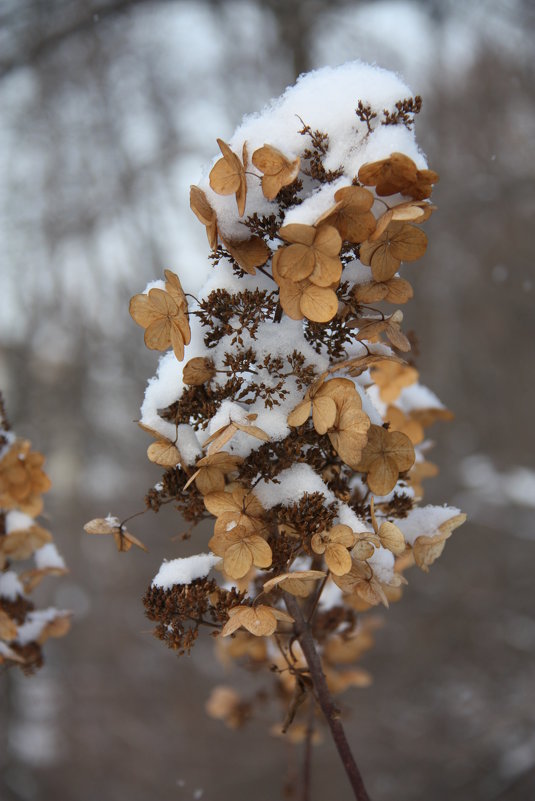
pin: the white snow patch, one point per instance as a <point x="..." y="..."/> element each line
<point x="184" y="571"/>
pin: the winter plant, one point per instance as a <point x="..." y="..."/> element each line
<point x="23" y="628"/>
<point x="287" y="410"/>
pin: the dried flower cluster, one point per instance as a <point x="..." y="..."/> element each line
<point x="296" y="425"/>
<point x="23" y="628"/>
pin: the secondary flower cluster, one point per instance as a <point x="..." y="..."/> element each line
<point x="297" y="423"/>
<point x="23" y="628"/>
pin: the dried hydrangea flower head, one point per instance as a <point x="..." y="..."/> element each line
<point x="23" y="628"/>
<point x="289" y="410"/>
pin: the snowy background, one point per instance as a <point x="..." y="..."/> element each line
<point x="109" y="112"/>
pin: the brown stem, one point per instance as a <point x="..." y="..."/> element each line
<point x="307" y="760"/>
<point x="324" y="697"/>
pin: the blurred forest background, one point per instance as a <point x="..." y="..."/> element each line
<point x="108" y="111"/>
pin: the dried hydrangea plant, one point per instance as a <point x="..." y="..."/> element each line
<point x="288" y="410"/>
<point x="23" y="628"/>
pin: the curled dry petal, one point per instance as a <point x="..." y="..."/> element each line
<point x="427" y="549"/>
<point x="386" y="455"/>
<point x="22" y="543"/>
<point x="399" y="421"/>
<point x="351" y="215"/>
<point x="22" y="479"/>
<point x="395" y="290"/>
<point x="399" y="242"/>
<point x="278" y="170"/>
<point x="299" y="583"/>
<point x="205" y="213"/>
<point x="163" y="315"/>
<point x="198" y="371"/>
<point x="164" y="452"/>
<point x="398" y="173"/>
<point x="391" y="377"/>
<point x="313" y="254"/>
<point x="260" y="620"/>
<point x="227" y="176"/>
<point x="248" y="253"/>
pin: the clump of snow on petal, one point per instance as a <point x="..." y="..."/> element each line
<point x="425" y="521"/>
<point x="48" y="556"/>
<point x="184" y="571"/>
<point x="10" y="586"/>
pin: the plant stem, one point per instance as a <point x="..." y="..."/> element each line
<point x="307" y="759"/>
<point x="324" y="697"/>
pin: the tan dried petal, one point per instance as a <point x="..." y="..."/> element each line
<point x="300" y="414"/>
<point x="260" y="620"/>
<point x="385" y="456"/>
<point x="22" y="543"/>
<point x="299" y="583"/>
<point x="164" y="453"/>
<point x="124" y="540"/>
<point x="205" y="213"/>
<point x="227" y="176"/>
<point x="57" y="627"/>
<point x="395" y="290"/>
<point x="351" y="215"/>
<point x="198" y="371"/>
<point x="399" y="421"/>
<point x="391" y="377"/>
<point x="399" y="242"/>
<point x="248" y="253"/>
<point x="338" y="559"/>
<point x="398" y="173"/>
<point x="363" y="550"/>
<point x="323" y="413"/>
<point x="278" y="170"/>
<point x="99" y="526"/>
<point x="318" y="304"/>
<point x="391" y="538"/>
<point x="8" y="627"/>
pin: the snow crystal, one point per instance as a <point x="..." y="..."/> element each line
<point x="10" y="586"/>
<point x="425" y="521"/>
<point x="184" y="571"/>
<point x="48" y="556"/>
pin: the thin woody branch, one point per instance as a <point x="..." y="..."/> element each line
<point x="324" y="697"/>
